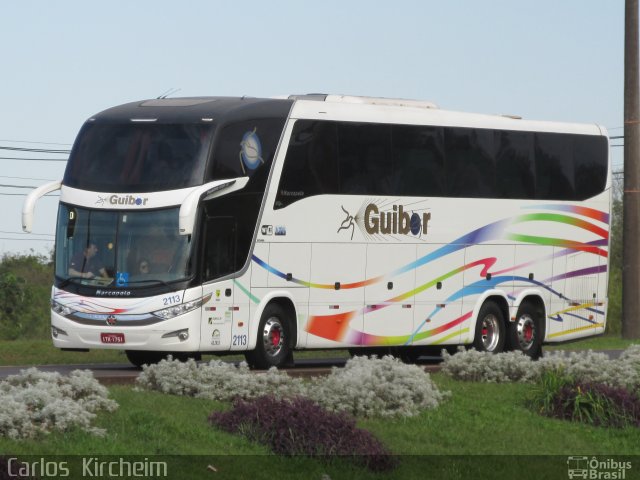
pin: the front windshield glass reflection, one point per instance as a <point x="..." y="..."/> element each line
<point x="120" y="249"/>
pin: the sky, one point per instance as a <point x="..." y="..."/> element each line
<point x="63" y="61"/>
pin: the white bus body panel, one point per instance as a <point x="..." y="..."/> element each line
<point x="350" y="287"/>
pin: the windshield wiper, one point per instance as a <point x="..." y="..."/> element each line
<point x="154" y="280"/>
<point x="103" y="282"/>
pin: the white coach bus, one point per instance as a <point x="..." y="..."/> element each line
<point x="263" y="226"/>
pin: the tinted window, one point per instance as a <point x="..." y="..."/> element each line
<point x="136" y="157"/>
<point x="418" y="160"/>
<point x="404" y="160"/>
<point x="244" y="149"/>
<point x="229" y="228"/>
<point x="364" y="159"/>
<point x="220" y="257"/>
<point x="470" y="162"/>
<point x="589" y="168"/>
<point x="515" y="168"/>
<point x="554" y="166"/>
<point x="311" y="165"/>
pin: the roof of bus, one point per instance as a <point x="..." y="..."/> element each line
<point x="400" y="111"/>
<point x="327" y="107"/>
<point x="191" y="109"/>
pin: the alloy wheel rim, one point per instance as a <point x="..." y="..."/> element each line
<point x="273" y="337"/>
<point x="526" y="329"/>
<point x="490" y="332"/>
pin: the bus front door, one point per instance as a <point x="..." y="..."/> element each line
<point x="218" y="262"/>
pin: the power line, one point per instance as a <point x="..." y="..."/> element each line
<point x="35" y="159"/>
<point x="17" y="186"/>
<point x="22" y="233"/>
<point x="39" y="150"/>
<point x="25" y="194"/>
<point x="29" y="178"/>
<point x="37" y="143"/>
<point x="29" y="239"/>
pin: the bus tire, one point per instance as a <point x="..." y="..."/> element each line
<point x="525" y="334"/>
<point x="143" y="357"/>
<point x="490" y="332"/>
<point x="273" y="345"/>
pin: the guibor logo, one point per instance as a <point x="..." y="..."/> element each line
<point x="395" y="221"/>
<point x="127" y="200"/>
<point x="373" y="219"/>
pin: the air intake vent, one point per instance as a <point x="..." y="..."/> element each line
<point x="395" y="102"/>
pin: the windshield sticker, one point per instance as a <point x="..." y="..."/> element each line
<point x="250" y="151"/>
<point x="122" y="279"/>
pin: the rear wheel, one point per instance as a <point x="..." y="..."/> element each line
<point x="490" y="329"/>
<point x="273" y="345"/>
<point x="525" y="334"/>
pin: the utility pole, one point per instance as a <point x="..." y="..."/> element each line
<point x="631" y="195"/>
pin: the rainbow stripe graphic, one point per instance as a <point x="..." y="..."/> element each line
<point x="336" y="327"/>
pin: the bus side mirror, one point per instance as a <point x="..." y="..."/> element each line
<point x="30" y="203"/>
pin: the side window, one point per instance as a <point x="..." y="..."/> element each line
<point x="310" y="166"/>
<point x="364" y="159"/>
<point x="554" y="167"/>
<point x="246" y="149"/>
<point x="590" y="165"/>
<point x="418" y="161"/>
<point x="515" y="173"/>
<point x="470" y="162"/>
<point x="220" y="247"/>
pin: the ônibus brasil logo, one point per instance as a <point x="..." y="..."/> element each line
<point x="383" y="219"/>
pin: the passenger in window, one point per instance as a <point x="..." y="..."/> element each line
<point x="143" y="268"/>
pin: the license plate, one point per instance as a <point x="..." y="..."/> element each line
<point x="112" y="337"/>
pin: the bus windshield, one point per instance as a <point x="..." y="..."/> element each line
<point x="120" y="249"/>
<point x="138" y="157"/>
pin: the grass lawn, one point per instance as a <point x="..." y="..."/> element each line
<point x="604" y="342"/>
<point x="481" y="431"/>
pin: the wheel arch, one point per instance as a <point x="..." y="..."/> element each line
<point x="286" y="302"/>
<point x="532" y="297"/>
<point x="496" y="296"/>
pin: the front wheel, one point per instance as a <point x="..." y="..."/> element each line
<point x="490" y="329"/>
<point x="273" y="345"/>
<point x="525" y="334"/>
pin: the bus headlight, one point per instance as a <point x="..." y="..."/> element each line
<point x="174" y="311"/>
<point x="61" y="309"/>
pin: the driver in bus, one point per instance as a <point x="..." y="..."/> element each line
<point x="84" y="264"/>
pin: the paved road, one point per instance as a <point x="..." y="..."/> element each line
<point x="114" y="373"/>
